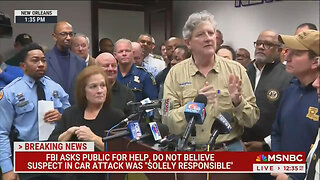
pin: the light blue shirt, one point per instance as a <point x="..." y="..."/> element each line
<point x="19" y="109"/>
<point x="153" y="64"/>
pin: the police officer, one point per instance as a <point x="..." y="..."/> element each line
<point x="136" y="78"/>
<point x="19" y="105"/>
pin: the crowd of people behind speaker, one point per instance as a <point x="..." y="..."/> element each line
<point x="131" y="68"/>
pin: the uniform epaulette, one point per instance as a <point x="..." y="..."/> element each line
<point x="14" y="81"/>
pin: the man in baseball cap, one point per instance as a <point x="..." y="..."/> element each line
<point x="296" y="124"/>
<point x="306" y="40"/>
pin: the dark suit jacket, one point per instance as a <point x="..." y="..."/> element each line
<point x="273" y="81"/>
<point x="55" y="72"/>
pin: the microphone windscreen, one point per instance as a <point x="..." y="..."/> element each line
<point x="164" y="129"/>
<point x="200" y="98"/>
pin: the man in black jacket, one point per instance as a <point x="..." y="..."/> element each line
<point x="268" y="79"/>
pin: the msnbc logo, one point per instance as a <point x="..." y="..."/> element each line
<point x="261" y="158"/>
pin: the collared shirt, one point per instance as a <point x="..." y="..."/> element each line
<point x="140" y="82"/>
<point x="151" y="64"/>
<point x="258" y="75"/>
<point x="19" y="109"/>
<point x="182" y="85"/>
<point x="87" y="60"/>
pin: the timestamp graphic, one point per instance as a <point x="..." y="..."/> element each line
<point x="35" y="16"/>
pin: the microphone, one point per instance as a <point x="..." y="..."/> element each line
<point x="152" y="129"/>
<point x="147" y="104"/>
<point x="134" y="129"/>
<point x="221" y="125"/>
<point x="152" y="105"/>
<point x="130" y="117"/>
<point x="195" y="113"/>
<point x="118" y="135"/>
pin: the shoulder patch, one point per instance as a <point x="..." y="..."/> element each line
<point x="152" y="78"/>
<point x="157" y="56"/>
<point x="1" y="94"/>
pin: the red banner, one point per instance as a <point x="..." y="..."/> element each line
<point x="159" y="162"/>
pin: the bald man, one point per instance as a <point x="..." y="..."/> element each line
<point x="120" y="93"/>
<point x="137" y="54"/>
<point x="268" y="79"/>
<point x="63" y="66"/>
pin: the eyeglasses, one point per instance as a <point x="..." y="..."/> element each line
<point x="265" y="45"/>
<point x="65" y="34"/>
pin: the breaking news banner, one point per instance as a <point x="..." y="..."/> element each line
<point x="35" y="16"/>
<point x="78" y="157"/>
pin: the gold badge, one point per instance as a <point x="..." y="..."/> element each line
<point x="312" y="114"/>
<point x="273" y="95"/>
<point x="136" y="79"/>
<point x="1" y="94"/>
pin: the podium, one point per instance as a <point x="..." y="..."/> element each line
<point x="122" y="144"/>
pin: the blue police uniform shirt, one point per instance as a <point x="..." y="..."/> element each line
<point x="9" y="73"/>
<point x="19" y="108"/>
<point x="140" y="82"/>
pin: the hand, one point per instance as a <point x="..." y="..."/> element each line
<point x="235" y="89"/>
<point x="253" y="146"/>
<point x="72" y="130"/>
<point x="10" y="176"/>
<point x="68" y="134"/>
<point x="52" y="116"/>
<point x="210" y="93"/>
<point x="84" y="133"/>
<point x="0" y="69"/>
<point x="280" y="176"/>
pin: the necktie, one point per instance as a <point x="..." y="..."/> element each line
<point x="40" y="92"/>
<point x="314" y="159"/>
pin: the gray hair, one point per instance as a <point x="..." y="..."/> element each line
<point x="122" y="40"/>
<point x="194" y="20"/>
<point x="82" y="35"/>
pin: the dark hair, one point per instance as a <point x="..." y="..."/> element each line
<point x="104" y="39"/>
<point x="186" y="53"/>
<point x="81" y="83"/>
<point x="23" y="39"/>
<point x="228" y="48"/>
<point x="22" y="54"/>
<point x="310" y="26"/>
<point x="312" y="54"/>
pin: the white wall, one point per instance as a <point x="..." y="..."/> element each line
<point x="77" y="13"/>
<point x="241" y="26"/>
<point x="115" y="24"/>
